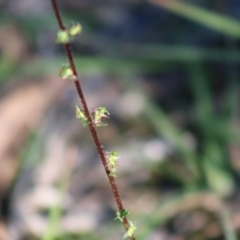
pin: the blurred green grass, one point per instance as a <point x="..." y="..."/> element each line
<point x="224" y="24"/>
<point x="211" y="170"/>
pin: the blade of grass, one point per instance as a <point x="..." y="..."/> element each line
<point x="217" y="22"/>
<point x="164" y="127"/>
<point x="231" y="100"/>
<point x="171" y="206"/>
<point x="56" y="211"/>
<point x="185" y="201"/>
<point x="216" y="126"/>
<point x="144" y="59"/>
<point x="199" y="83"/>
<point x="168" y="130"/>
<point x="55" y="215"/>
<point x="225" y="219"/>
<point x="213" y="165"/>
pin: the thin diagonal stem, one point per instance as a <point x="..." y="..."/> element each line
<point x="91" y="124"/>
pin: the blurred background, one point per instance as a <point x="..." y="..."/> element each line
<point x="168" y="72"/>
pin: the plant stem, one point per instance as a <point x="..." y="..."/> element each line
<point x="91" y="124"/>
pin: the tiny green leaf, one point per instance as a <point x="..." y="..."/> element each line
<point x="122" y="214"/>
<point x="98" y="114"/>
<point x="66" y="73"/>
<point x="113" y="173"/>
<point x="81" y="115"/>
<point x="112" y="158"/>
<point x="132" y="228"/>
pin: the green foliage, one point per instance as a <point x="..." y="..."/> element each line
<point x="218" y="22"/>
<point x="122" y="214"/>
<point x="66" y="73"/>
<point x="112" y="158"/>
<point x="75" y="30"/>
<point x="98" y="114"/>
<point x="209" y="168"/>
<point x="62" y="37"/>
<point x="65" y="36"/>
<point x="81" y="115"/>
<point x="131" y="230"/>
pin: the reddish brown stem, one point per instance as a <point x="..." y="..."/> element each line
<point x="91" y="124"/>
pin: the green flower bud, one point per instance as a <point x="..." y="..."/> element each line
<point x="75" y="30"/>
<point x="62" y="37"/>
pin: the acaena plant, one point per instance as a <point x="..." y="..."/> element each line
<point x="91" y="119"/>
